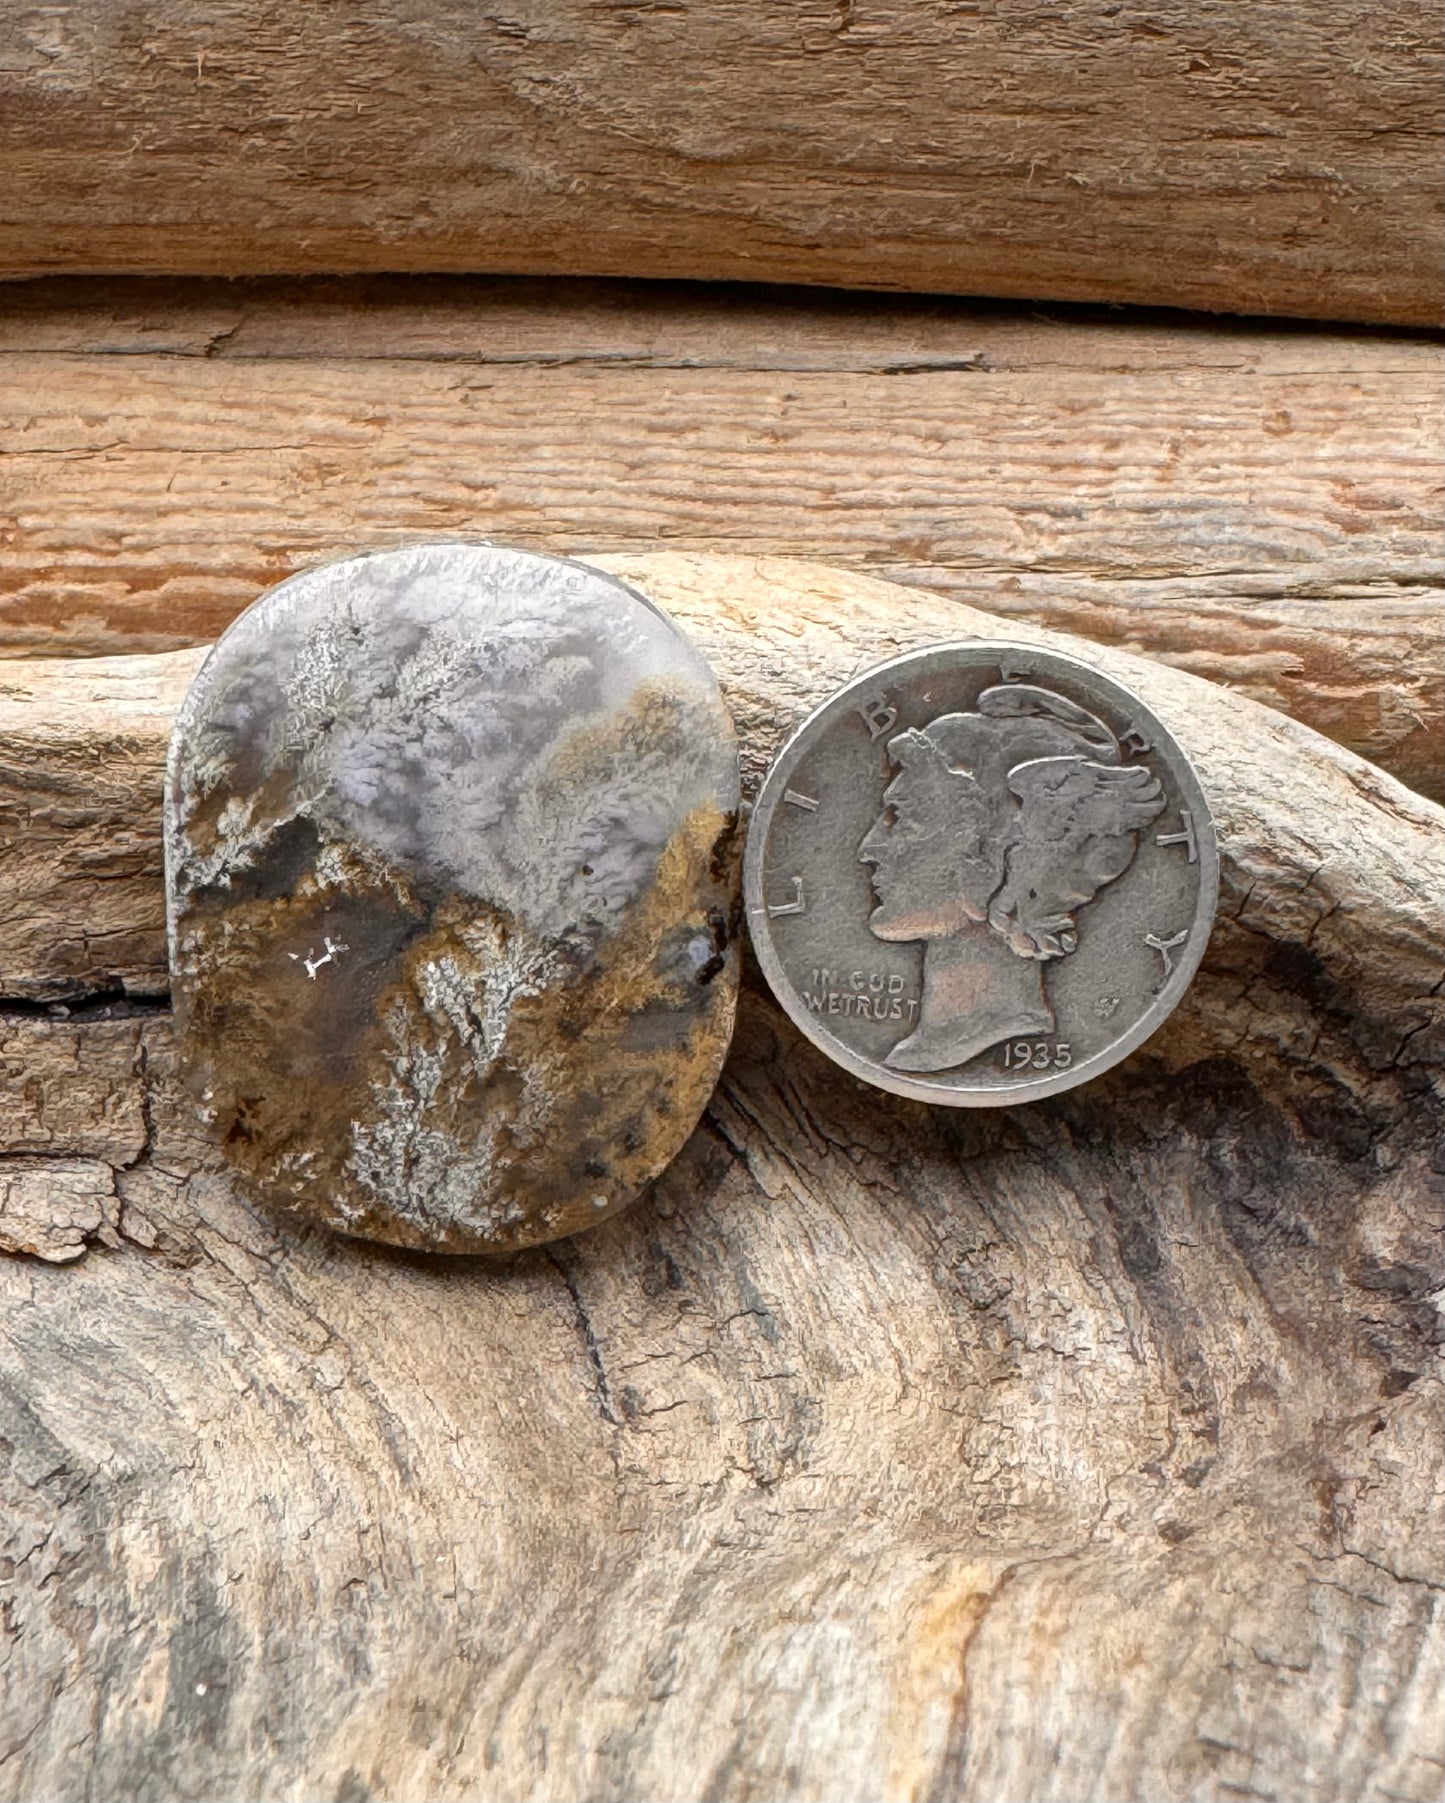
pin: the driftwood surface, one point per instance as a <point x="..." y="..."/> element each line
<point x="1271" y="156"/>
<point x="1085" y="1449"/>
<point x="1260" y="506"/>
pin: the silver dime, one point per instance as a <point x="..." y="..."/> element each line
<point x="980" y="874"/>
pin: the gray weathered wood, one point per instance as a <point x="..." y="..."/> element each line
<point x="1085" y="1449"/>
<point x="82" y="751"/>
<point x="1272" y="156"/>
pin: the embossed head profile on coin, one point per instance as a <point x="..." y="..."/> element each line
<point x="998" y="828"/>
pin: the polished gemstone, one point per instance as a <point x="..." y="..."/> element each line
<point x="450" y="837"/>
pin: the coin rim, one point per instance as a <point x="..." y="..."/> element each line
<point x="776" y="781"/>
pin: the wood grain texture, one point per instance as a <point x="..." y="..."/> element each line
<point x="82" y="902"/>
<point x="1261" y="507"/>
<point x="1271" y="157"/>
<point x="1091" y="1448"/>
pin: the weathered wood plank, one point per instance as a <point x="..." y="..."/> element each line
<point x="82" y="755"/>
<point x="1090" y="1448"/>
<point x="76" y="1093"/>
<point x="1275" y="157"/>
<point x="1263" y="507"/>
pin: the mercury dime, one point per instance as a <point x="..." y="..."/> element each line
<point x="980" y="873"/>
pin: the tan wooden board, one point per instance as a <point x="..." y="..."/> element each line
<point x="1273" y="156"/>
<point x="1262" y="506"/>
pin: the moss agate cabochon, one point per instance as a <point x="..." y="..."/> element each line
<point x="451" y="883"/>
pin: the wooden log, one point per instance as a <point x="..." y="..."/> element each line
<point x="1271" y="157"/>
<point x="82" y="751"/>
<point x="1261" y="507"/>
<point x="1087" y="1448"/>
